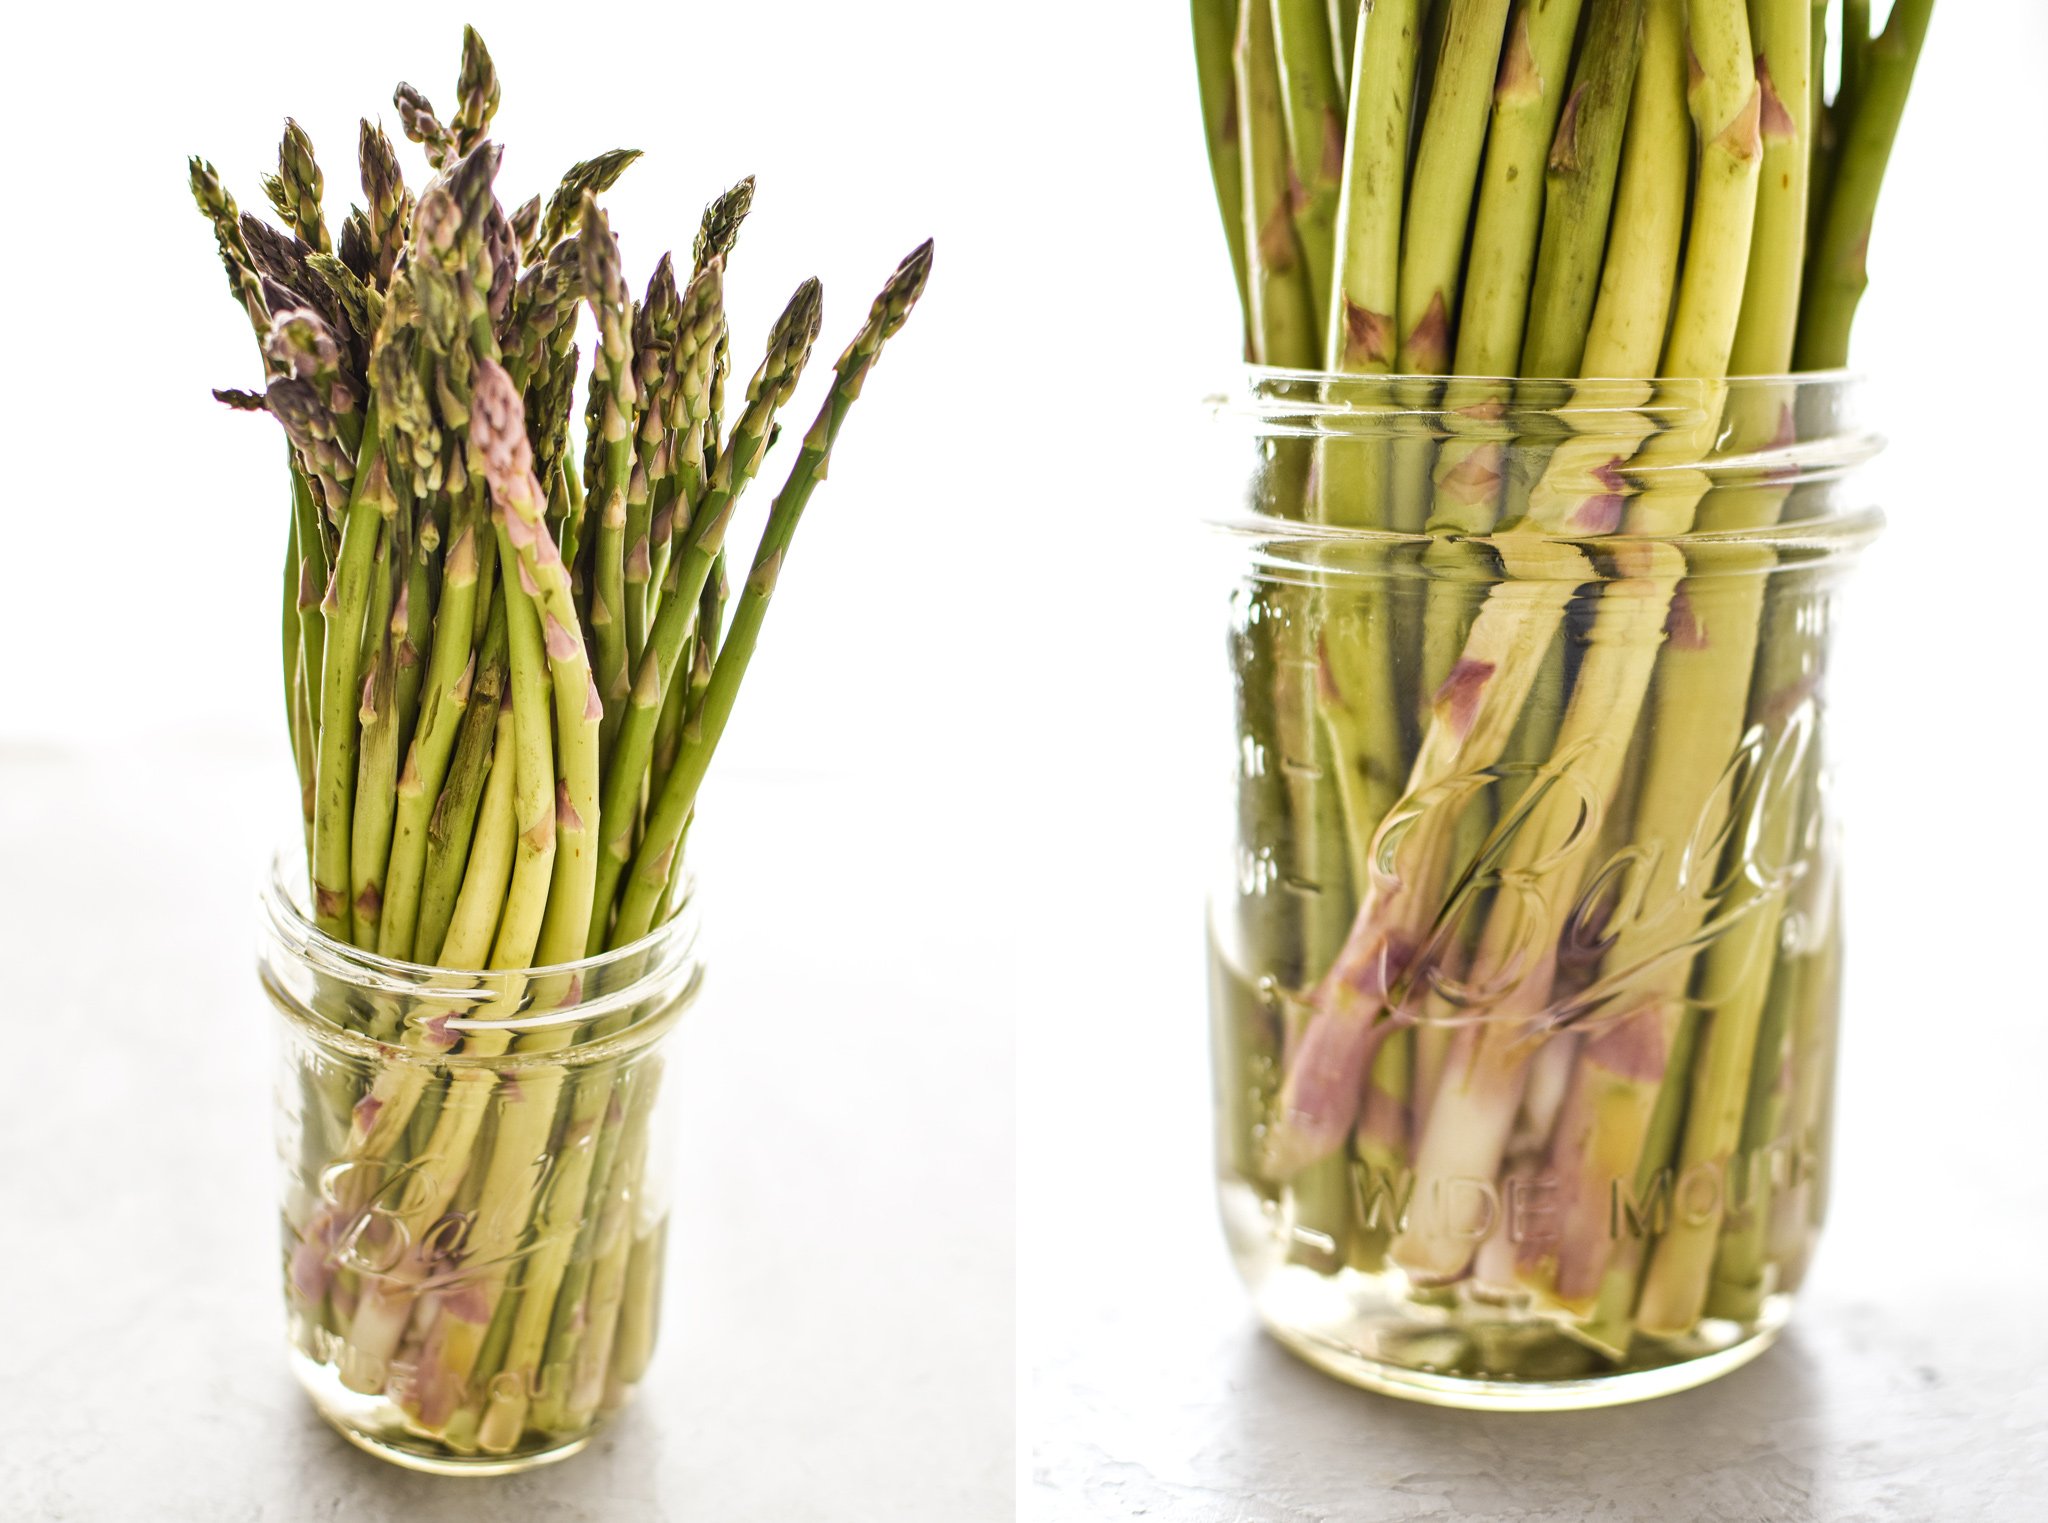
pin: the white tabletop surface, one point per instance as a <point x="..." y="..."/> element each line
<point x="838" y="1337"/>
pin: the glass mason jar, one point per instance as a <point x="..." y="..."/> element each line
<point x="1524" y="974"/>
<point x="474" y="1204"/>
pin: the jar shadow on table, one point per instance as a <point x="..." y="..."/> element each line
<point x="1750" y="1444"/>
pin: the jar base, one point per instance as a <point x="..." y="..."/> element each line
<point x="377" y="1425"/>
<point x="1485" y="1344"/>
<point x="1479" y="1394"/>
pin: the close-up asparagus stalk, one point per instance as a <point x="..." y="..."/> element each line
<point x="505" y="681"/>
<point x="1549" y="819"/>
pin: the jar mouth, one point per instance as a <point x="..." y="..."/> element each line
<point x="1278" y="393"/>
<point x="542" y="997"/>
<point x="1388" y="465"/>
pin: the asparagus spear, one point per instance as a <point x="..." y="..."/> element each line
<point x="649" y="875"/>
<point x="539" y="592"/>
<point x="654" y="333"/>
<point x="1702" y="695"/>
<point x="1469" y="478"/>
<point x="1527" y="101"/>
<point x="1343" y="15"/>
<point x="1282" y="308"/>
<point x="388" y="217"/>
<point x="1726" y="102"/>
<point x="1581" y="172"/>
<point x="476" y="92"/>
<point x="498" y="434"/>
<point x="1361" y="335"/>
<point x="1313" y="118"/>
<point x="450" y="674"/>
<point x="1441" y="187"/>
<point x="377" y="753"/>
<point x="1215" y="22"/>
<point x="416" y="116"/>
<point x="605" y="288"/>
<point x="219" y="208"/>
<point x="789" y="347"/>
<point x="1553" y="838"/>
<point x="1837" y="273"/>
<point x="586" y="177"/>
<point x="298" y="186"/>
<point x="451" y="824"/>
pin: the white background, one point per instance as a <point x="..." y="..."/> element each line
<point x="994" y="657"/>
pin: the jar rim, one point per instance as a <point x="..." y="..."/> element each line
<point x="1259" y="377"/>
<point x="284" y="911"/>
<point x="1325" y="402"/>
<point x="586" y="989"/>
<point x="1745" y="443"/>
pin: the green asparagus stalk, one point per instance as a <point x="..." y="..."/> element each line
<point x="1702" y="696"/>
<point x="654" y="333"/>
<point x="377" y="755"/>
<point x="639" y="1313"/>
<point x="1737" y="978"/>
<point x="1444" y="180"/>
<point x="612" y="380"/>
<point x="1469" y="475"/>
<point x="1343" y="20"/>
<point x="1581" y="174"/>
<point x="1313" y="117"/>
<point x="1361" y="334"/>
<point x="1726" y="104"/>
<point x="1215" y="24"/>
<point x="452" y="821"/>
<point x="789" y="347"/>
<point x="648" y="878"/>
<point x="1471" y="1112"/>
<point x="1527" y="101"/>
<point x="1319" y="1094"/>
<point x="450" y="674"/>
<point x="498" y="435"/>
<point x="590" y="1359"/>
<point x="1282" y="307"/>
<point x="610" y="1097"/>
<point x="1837" y="273"/>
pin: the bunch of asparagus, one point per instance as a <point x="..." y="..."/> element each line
<point x="506" y="673"/>
<point x="1561" y="228"/>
